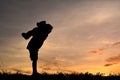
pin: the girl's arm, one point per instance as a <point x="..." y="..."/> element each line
<point x="28" y="34"/>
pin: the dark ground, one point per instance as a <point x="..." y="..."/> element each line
<point x="59" y="76"/>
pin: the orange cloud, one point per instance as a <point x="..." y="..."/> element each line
<point x="116" y="43"/>
<point x="96" y="51"/>
<point x="55" y="64"/>
<point x="109" y="64"/>
<point x="93" y="52"/>
<point x="113" y="60"/>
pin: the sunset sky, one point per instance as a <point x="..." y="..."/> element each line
<point x="85" y="36"/>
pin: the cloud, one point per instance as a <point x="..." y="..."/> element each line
<point x="109" y="64"/>
<point x="108" y="46"/>
<point x="19" y="71"/>
<point x="116" y="43"/>
<point x="55" y="64"/>
<point x="96" y="51"/>
<point x="14" y="70"/>
<point x="112" y="60"/>
<point x="51" y="64"/>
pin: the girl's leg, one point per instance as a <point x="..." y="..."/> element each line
<point x="34" y="66"/>
<point x="34" y="58"/>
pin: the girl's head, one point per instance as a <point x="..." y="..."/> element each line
<point x="41" y="23"/>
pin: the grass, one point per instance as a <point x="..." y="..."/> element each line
<point x="58" y="76"/>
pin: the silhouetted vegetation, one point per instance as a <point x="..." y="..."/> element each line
<point x="59" y="76"/>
